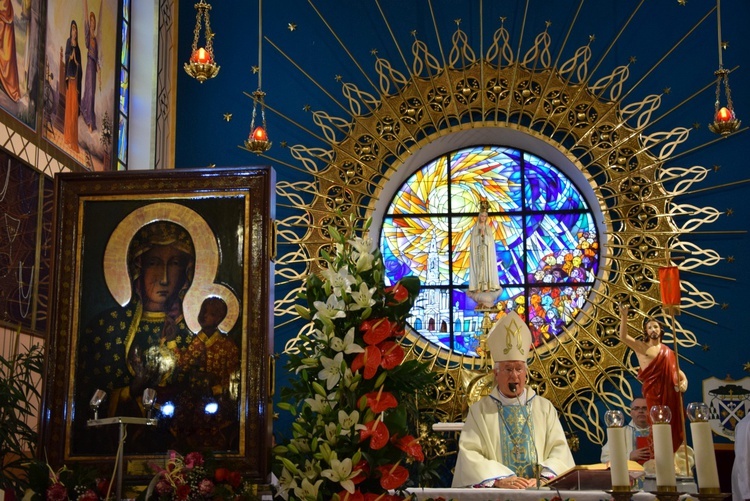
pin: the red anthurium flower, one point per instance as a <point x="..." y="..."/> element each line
<point x="392" y="476"/>
<point x="380" y="401"/>
<point x="397" y="294"/>
<point x="364" y="470"/>
<point x="392" y="354"/>
<point x="376" y="331"/>
<point x="409" y="445"/>
<point x="370" y="359"/>
<point x="345" y="496"/>
<point x="377" y="432"/>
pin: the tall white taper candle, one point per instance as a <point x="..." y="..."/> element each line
<point x="663" y="455"/>
<point x="618" y="454"/>
<point x="705" y="457"/>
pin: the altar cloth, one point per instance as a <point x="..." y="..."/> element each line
<point x="491" y="494"/>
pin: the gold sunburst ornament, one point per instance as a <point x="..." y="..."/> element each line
<point x="202" y="65"/>
<point x="504" y="90"/>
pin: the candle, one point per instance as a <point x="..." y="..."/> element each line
<point x="703" y="445"/>
<point x="705" y="458"/>
<point x="724" y="115"/>
<point x="259" y="134"/>
<point x="201" y="56"/>
<point x="661" y="432"/>
<point x="663" y="456"/>
<point x="618" y="463"/>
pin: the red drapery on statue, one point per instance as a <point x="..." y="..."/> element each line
<point x="659" y="379"/>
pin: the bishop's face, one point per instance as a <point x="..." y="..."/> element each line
<point x="511" y="374"/>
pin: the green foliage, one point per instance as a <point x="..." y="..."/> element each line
<point x="355" y="401"/>
<point x="18" y="378"/>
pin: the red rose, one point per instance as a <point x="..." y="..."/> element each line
<point x="206" y="487"/>
<point x="221" y="474"/>
<point x="193" y="459"/>
<point x="89" y="495"/>
<point x="163" y="487"/>
<point x="235" y="479"/>
<point x="102" y="486"/>
<point x="183" y="491"/>
<point x="57" y="492"/>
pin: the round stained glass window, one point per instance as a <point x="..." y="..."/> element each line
<point x="540" y="255"/>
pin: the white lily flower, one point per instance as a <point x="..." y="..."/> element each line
<point x="341" y="281"/>
<point x="347" y="345"/>
<point x="318" y="404"/>
<point x="308" y="490"/>
<point x="302" y="444"/>
<point x="364" y="262"/>
<point x="348" y="421"/>
<point x="320" y="335"/>
<point x="341" y="472"/>
<point x="362" y="298"/>
<point x="332" y="308"/>
<point x="331" y="434"/>
<point x="286" y="484"/>
<point x="363" y="244"/>
<point x="331" y="372"/>
<point x="349" y="380"/>
<point x="312" y="470"/>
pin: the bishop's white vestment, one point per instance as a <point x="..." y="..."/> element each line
<point x="479" y="448"/>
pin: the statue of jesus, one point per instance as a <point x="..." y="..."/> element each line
<point x="662" y="381"/>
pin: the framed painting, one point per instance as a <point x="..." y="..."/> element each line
<point x="26" y="245"/>
<point x="81" y="78"/>
<point x="19" y="33"/>
<point x="162" y="281"/>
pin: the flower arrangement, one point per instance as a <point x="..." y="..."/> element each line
<point x="66" y="484"/>
<point x="354" y="400"/>
<point x="192" y="478"/>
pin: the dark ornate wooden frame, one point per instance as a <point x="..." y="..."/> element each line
<point x="103" y="200"/>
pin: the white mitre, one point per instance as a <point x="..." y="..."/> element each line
<point x="509" y="339"/>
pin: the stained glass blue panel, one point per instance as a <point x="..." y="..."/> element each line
<point x="548" y="189"/>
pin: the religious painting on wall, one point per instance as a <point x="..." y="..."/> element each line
<point x="81" y="78"/>
<point x="19" y="49"/>
<point x="163" y="283"/>
<point x="25" y="245"/>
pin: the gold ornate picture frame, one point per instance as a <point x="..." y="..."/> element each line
<point x="164" y="281"/>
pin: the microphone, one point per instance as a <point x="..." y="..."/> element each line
<point x="513" y="387"/>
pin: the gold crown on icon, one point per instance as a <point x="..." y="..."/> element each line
<point x="484" y="205"/>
